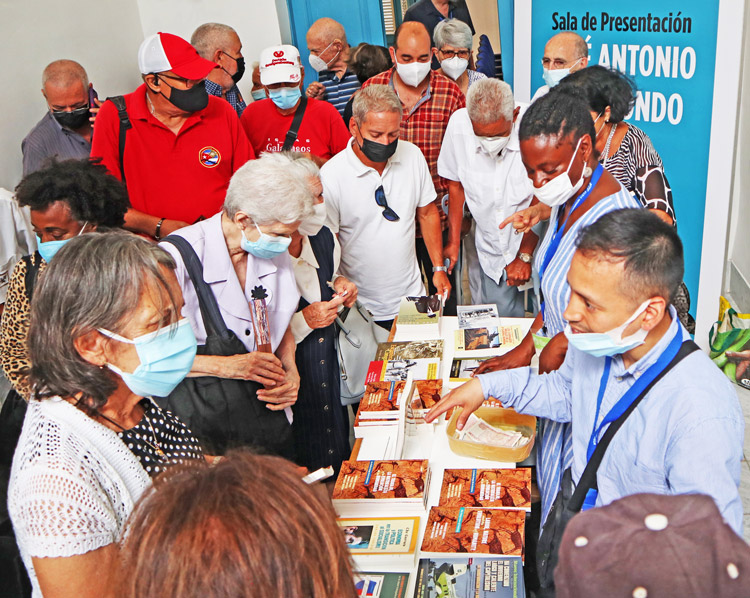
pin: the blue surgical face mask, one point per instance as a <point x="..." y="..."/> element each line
<point x="48" y="249"/>
<point x="607" y="344"/>
<point x="285" y="97"/>
<point x="258" y="94"/>
<point x="166" y="358"/>
<point x="266" y="247"/>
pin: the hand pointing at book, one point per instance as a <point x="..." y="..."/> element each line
<point x="468" y="396"/>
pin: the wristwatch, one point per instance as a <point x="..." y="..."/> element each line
<point x="439" y="269"/>
<point x="525" y="257"/>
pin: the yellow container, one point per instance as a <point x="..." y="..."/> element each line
<point x="499" y="417"/>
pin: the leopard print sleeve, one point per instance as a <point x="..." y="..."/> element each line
<point x="14" y="330"/>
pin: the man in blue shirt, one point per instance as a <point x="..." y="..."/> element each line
<point x="221" y="44"/>
<point x="329" y="55"/>
<point x="686" y="435"/>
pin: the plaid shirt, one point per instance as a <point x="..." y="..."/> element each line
<point x="234" y="97"/>
<point x="425" y="125"/>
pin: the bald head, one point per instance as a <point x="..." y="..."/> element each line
<point x="412" y="32"/>
<point x="325" y="31"/>
<point x="64" y="74"/>
<point x="566" y="50"/>
<point x="210" y="37"/>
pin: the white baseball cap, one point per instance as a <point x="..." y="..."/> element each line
<point x="166" y="52"/>
<point x="280" y="64"/>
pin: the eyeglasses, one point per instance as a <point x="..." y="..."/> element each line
<point x="189" y="83"/>
<point x="453" y="53"/>
<point x="388" y="212"/>
<point x="558" y="63"/>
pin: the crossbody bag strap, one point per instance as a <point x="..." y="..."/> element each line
<point x="212" y="319"/>
<point x="588" y="477"/>
<point x="125" y="124"/>
<point x="291" y="134"/>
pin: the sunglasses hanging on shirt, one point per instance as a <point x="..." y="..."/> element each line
<point x="388" y="212"/>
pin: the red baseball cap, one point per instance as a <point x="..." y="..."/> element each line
<point x="166" y="52"/>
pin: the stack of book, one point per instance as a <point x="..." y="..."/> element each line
<point x="491" y="488"/>
<point x="381" y="541"/>
<point x="396" y="361"/>
<point x="382" y="487"/>
<point x="380" y="404"/>
<point x="419" y="317"/>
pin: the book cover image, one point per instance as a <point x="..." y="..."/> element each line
<point x="470" y="578"/>
<point x="473" y="339"/>
<point x="381" y="585"/>
<point x="428" y="349"/>
<point x="380" y="535"/>
<point x="420" y="369"/>
<point x="426" y="394"/>
<point x="381" y="396"/>
<point x="381" y="479"/>
<point x="415" y="311"/>
<point x="475" y="531"/>
<point x="476" y="316"/>
<point x="463" y="369"/>
<point x="493" y="488"/>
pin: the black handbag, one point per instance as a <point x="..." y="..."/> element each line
<point x="568" y="502"/>
<point x="223" y="413"/>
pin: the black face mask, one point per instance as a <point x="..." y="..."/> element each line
<point x="189" y="100"/>
<point x="74" y="119"/>
<point x="240" y="68"/>
<point x="378" y="152"/>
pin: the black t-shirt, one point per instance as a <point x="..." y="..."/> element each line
<point x="425" y="12"/>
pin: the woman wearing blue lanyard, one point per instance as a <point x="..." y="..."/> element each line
<point x="557" y="148"/>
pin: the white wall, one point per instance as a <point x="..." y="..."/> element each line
<point x="102" y="36"/>
<point x="256" y="22"/>
<point x="738" y="274"/>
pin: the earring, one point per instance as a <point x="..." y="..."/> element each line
<point x="587" y="171"/>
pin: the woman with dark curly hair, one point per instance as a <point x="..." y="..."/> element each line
<point x="106" y="336"/>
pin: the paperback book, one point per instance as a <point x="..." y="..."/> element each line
<point x="462" y="369"/>
<point x="381" y="585"/>
<point x="427" y="349"/>
<point x="397" y="370"/>
<point x="419" y="317"/>
<point x="470" y="577"/>
<point x="485" y="339"/>
<point x="477" y="316"/>
<point x="382" y="486"/>
<point x="381" y="400"/>
<point x="381" y="541"/>
<point x="451" y="530"/>
<point x="490" y="488"/>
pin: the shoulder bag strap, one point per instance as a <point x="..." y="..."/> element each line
<point x="212" y="319"/>
<point x="588" y="477"/>
<point x="125" y="124"/>
<point x="291" y="134"/>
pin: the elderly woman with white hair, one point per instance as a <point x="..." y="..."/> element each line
<point x="453" y="42"/>
<point x="243" y="254"/>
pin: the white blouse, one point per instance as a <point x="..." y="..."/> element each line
<point x="72" y="485"/>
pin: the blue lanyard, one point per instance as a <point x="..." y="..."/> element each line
<point x="626" y="400"/>
<point x="560" y="230"/>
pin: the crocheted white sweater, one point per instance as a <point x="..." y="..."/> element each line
<point x="72" y="485"/>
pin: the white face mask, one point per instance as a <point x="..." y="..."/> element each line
<point x="493" y="145"/>
<point x="413" y="73"/>
<point x="318" y="63"/>
<point x="311" y="225"/>
<point x="560" y="189"/>
<point x="607" y="344"/>
<point x="454" y="67"/>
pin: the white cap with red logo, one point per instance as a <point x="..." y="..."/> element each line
<point x="166" y="52"/>
<point x="280" y="64"/>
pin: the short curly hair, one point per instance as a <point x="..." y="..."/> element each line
<point x="600" y="87"/>
<point x="557" y="115"/>
<point x="93" y="195"/>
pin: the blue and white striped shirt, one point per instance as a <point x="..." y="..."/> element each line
<point x="555" y="443"/>
<point x="338" y="91"/>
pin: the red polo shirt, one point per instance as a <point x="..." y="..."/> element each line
<point x="321" y="133"/>
<point x="182" y="176"/>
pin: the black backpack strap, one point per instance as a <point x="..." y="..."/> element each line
<point x="588" y="477"/>
<point x="32" y="272"/>
<point x="291" y="134"/>
<point x="212" y="319"/>
<point x="125" y="124"/>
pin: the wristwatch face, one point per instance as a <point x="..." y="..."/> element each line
<point x="525" y="258"/>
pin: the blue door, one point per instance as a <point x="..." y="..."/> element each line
<point x="362" y="20"/>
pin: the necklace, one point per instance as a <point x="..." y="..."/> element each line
<point x="155" y="446"/>
<point x="609" y="141"/>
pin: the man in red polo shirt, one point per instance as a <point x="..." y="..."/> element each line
<point x="321" y="134"/>
<point x="428" y="99"/>
<point x="183" y="147"/>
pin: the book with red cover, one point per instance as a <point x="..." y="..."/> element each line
<point x="386" y="485"/>
<point x="452" y="530"/>
<point x="381" y="400"/>
<point x="491" y="488"/>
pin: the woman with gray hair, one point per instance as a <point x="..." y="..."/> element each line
<point x="453" y="43"/>
<point x="241" y="254"/>
<point x="105" y="336"/>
